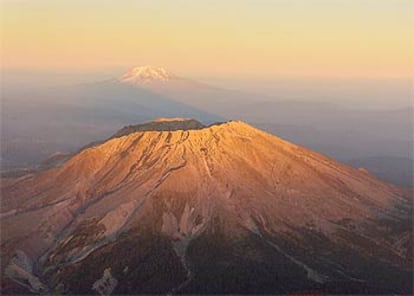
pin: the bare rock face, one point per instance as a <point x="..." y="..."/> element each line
<point x="161" y="124"/>
<point x="173" y="206"/>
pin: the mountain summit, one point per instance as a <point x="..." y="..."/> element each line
<point x="177" y="207"/>
<point x="162" y="124"/>
<point x="146" y="74"/>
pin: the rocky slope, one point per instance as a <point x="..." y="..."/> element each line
<point x="193" y="209"/>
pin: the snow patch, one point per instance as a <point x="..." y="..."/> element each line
<point x="106" y="284"/>
<point x="182" y="233"/>
<point x="20" y="270"/>
<point x="311" y="273"/>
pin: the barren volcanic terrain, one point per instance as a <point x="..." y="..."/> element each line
<point x="177" y="207"/>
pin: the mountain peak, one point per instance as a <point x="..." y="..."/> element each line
<point x="146" y="74"/>
<point x="181" y="124"/>
<point x="166" y="119"/>
<point x="161" y="124"/>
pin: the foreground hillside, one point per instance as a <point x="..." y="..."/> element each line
<point x="177" y="207"/>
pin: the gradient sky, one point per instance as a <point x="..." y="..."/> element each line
<point x="233" y="38"/>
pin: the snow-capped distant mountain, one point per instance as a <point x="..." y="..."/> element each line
<point x="146" y="74"/>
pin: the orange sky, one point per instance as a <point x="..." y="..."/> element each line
<point x="260" y="38"/>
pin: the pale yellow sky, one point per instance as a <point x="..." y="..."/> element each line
<point x="256" y="38"/>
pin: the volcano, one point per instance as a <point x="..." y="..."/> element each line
<point x="146" y="74"/>
<point x="174" y="206"/>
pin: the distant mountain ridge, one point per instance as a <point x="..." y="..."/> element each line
<point x="398" y="170"/>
